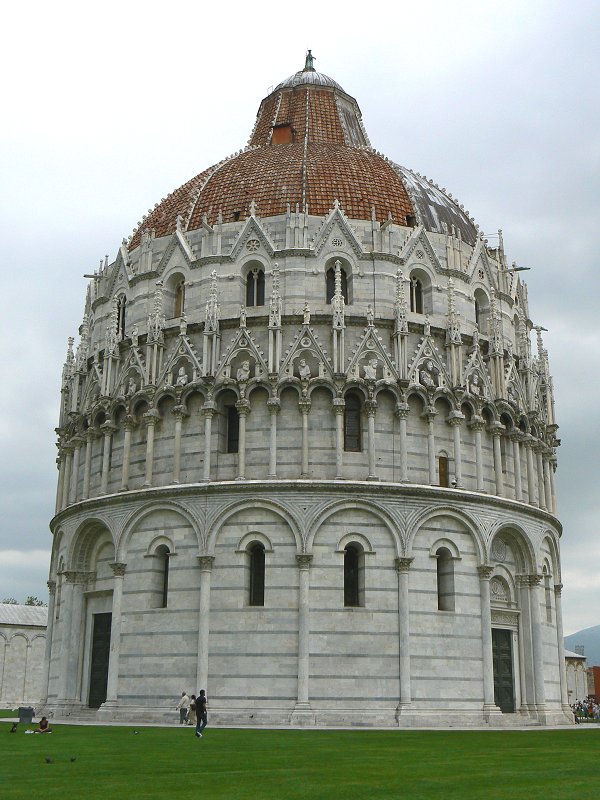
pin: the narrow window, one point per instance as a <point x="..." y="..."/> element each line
<point x="477" y="314"/>
<point x="255" y="288"/>
<point x="351" y="576"/>
<point x="257" y="574"/>
<point x="352" y="424"/>
<point x="162" y="555"/>
<point x="548" y="595"/>
<point x="233" y="429"/>
<point x="330" y="285"/>
<point x="121" y="308"/>
<point x="416" y="296"/>
<point x="445" y="580"/>
<point x="443" y="471"/>
<point x="179" y="298"/>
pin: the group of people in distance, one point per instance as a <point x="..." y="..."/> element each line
<point x="192" y="711"/>
<point x="587" y="709"/>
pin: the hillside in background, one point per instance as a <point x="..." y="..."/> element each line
<point x="590" y="639"/>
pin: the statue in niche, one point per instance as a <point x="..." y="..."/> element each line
<point x="475" y="338"/>
<point x="306" y="313"/>
<point x="475" y="387"/>
<point x="510" y="393"/>
<point x="370" y="369"/>
<point x="242" y="316"/>
<point x="243" y="373"/>
<point x="427" y="376"/>
<point x="304" y="370"/>
<point x="182" y="377"/>
<point x="182" y="325"/>
<point x="370" y="315"/>
<point x="135" y="339"/>
<point x="131" y="386"/>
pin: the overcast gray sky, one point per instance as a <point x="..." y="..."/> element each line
<point x="107" y="107"/>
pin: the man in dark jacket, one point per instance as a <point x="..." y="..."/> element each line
<point x="201" y="713"/>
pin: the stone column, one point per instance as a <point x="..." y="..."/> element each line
<point x="90" y="435"/>
<point x="537" y="642"/>
<point x="108" y="430"/>
<point x="65" y="625"/>
<point x="530" y="475"/>
<point x="516" y="438"/>
<point x="69" y="662"/>
<point x="48" y="650"/>
<point x="540" y="476"/>
<point x="547" y="489"/>
<point x="564" y="694"/>
<point x="243" y="408"/>
<point x="112" y="688"/>
<point x="477" y="424"/>
<point x="302" y="713"/>
<point x="274" y="406"/>
<point x="402" y="414"/>
<point x="208" y="409"/>
<point x="60" y="483"/>
<point x="128" y="424"/>
<point x="77" y="442"/>
<point x="338" y="409"/>
<point x="179" y="413"/>
<point x="304" y="406"/>
<point x="402" y="568"/>
<point x="150" y="419"/>
<point x="455" y="419"/>
<point x="67" y="475"/>
<point x="489" y="706"/>
<point x="206" y="565"/>
<point x="552" y="486"/>
<point x="430" y="416"/>
<point x="525" y="649"/>
<point x="371" y="409"/>
<point x="496" y="431"/>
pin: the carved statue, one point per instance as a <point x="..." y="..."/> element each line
<point x="182" y="325"/>
<point x="135" y="340"/>
<point x="306" y="312"/>
<point x="427" y="375"/>
<point x="131" y="386"/>
<point x="182" y="377"/>
<point x="243" y="317"/>
<point x="370" y="370"/>
<point x="370" y="315"/>
<point x="304" y="370"/>
<point x="243" y="373"/>
<point x="475" y="385"/>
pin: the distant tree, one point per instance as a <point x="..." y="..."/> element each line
<point x="34" y="601"/>
<point x="10" y="601"/>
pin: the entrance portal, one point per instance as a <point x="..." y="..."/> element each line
<point x="504" y="693"/>
<point x="100" y="656"/>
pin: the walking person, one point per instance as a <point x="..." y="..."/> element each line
<point x="183" y="706"/>
<point x="201" y="713"/>
<point x="191" y="718"/>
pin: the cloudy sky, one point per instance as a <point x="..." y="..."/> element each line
<point x="107" y="107"/>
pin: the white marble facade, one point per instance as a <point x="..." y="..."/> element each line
<point x="407" y="419"/>
<point x="22" y="648"/>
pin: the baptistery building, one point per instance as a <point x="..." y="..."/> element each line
<point x="306" y="452"/>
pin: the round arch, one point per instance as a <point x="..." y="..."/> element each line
<point x="516" y="534"/>
<point x="269" y="505"/>
<point x="141" y="513"/>
<point x="318" y="520"/>
<point x="85" y="543"/>
<point x="418" y="520"/>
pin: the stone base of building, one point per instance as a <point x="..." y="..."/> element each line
<point x="307" y="716"/>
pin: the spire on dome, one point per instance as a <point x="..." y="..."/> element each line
<point x="309" y="65"/>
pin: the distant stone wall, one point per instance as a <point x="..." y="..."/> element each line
<point x="21" y="664"/>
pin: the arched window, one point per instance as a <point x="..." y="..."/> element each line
<point x="482" y="310"/>
<point x="443" y="471"/>
<point x="179" y="298"/>
<point x="330" y="285"/>
<point x="352" y="424"/>
<point x="353" y="576"/>
<point x="445" y="579"/>
<point x="121" y="309"/>
<point x="256" y="595"/>
<point x="233" y="429"/>
<point x="255" y="287"/>
<point x="416" y="295"/>
<point x="162" y="557"/>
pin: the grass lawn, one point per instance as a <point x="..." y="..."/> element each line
<point x="114" y="763"/>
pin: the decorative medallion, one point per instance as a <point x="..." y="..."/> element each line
<point x="252" y="245"/>
<point x="419" y="254"/>
<point x="499" y="550"/>
<point x="337" y="242"/>
<point x="481" y="275"/>
<point x="305" y="341"/>
<point x="497" y="589"/>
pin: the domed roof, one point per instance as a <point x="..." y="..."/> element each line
<point x="308" y="149"/>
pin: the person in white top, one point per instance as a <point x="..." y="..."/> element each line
<point x="183" y="706"/>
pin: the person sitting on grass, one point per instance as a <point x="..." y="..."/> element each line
<point x="43" y="726"/>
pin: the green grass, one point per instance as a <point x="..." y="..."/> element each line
<point x="7" y="712"/>
<point x="113" y="763"/>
